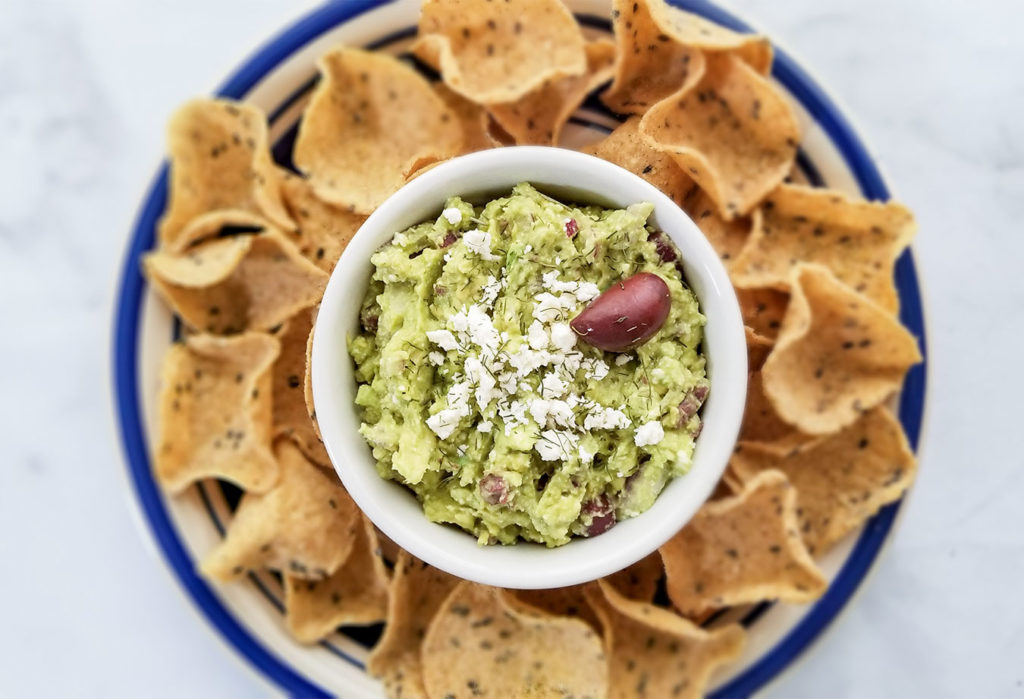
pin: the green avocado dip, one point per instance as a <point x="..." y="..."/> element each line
<point x="475" y="392"/>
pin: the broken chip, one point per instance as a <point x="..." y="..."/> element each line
<point x="354" y="595"/>
<point x="732" y="132"/>
<point x="495" y="52"/>
<point x="371" y="121"/>
<point x="740" y="550"/>
<point x="241" y="282"/>
<point x="215" y="412"/>
<point x="220" y="162"/>
<point x="487" y="642"/>
<point x="857" y="239"/>
<point x="291" y="417"/>
<point x="837" y="355"/>
<point x="653" y="652"/>
<point x="840" y="480"/>
<point x="538" y="117"/>
<point x="304" y="526"/>
<point x="417" y="592"/>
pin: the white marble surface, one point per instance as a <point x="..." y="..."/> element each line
<point x="85" y="88"/>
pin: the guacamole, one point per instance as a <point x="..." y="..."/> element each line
<point x="475" y="392"/>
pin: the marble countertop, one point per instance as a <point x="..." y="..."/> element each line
<point x="85" y="89"/>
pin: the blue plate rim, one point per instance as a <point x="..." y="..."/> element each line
<point x="127" y="397"/>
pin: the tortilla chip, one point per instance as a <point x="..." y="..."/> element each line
<point x="758" y="348"/>
<point x="837" y="354"/>
<point x="653" y="652"/>
<point x="857" y="239"/>
<point x="762" y="424"/>
<point x="307" y="387"/>
<point x="305" y="526"/>
<point x="741" y="550"/>
<point x="355" y="595"/>
<point x="763" y="310"/>
<point x="220" y="161"/>
<point x="215" y="412"/>
<point x="726" y="237"/>
<point x="474" y="120"/>
<point x="660" y="49"/>
<point x="640" y="580"/>
<point x="484" y="642"/>
<point x="538" y="117"/>
<point x="626" y="147"/>
<point x="561" y="601"/>
<point x="417" y="592"/>
<point x="732" y="132"/>
<point x="243" y="282"/>
<point x="495" y="52"/>
<point x="290" y="415"/>
<point x="387" y="549"/>
<point x="323" y="230"/>
<point x="216" y="224"/>
<point x="841" y="480"/>
<point x="371" y="120"/>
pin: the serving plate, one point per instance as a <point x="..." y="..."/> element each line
<point x="278" y="77"/>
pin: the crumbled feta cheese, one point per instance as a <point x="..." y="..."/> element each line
<point x="601" y="418"/>
<point x="622" y="359"/>
<point x="443" y="339"/>
<point x="458" y="397"/>
<point x="479" y="242"/>
<point x="648" y="434"/>
<point x="478" y="374"/>
<point x="563" y="337"/>
<point x="484" y="426"/>
<point x="528" y="248"/>
<point x="489" y="293"/>
<point x="585" y="456"/>
<point x="596" y="369"/>
<point x="525" y="360"/>
<point x="549" y="308"/>
<point x="552" y="387"/>
<point x="436" y="358"/>
<point x="555" y="446"/>
<point x="539" y="411"/>
<point x="444" y="422"/>
<point x="587" y="291"/>
<point x="571" y="362"/>
<point x="560" y="412"/>
<point x="452" y="215"/>
<point x="536" y="336"/>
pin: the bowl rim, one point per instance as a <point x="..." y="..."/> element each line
<point x="127" y="311"/>
<point x="523" y="565"/>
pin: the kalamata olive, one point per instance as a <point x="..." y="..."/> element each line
<point x="626" y="314"/>
<point x="691" y="403"/>
<point x="601" y="513"/>
<point x="664" y="246"/>
<point x="494" y="489"/>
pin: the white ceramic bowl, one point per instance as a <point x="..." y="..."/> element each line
<point x="570" y="176"/>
